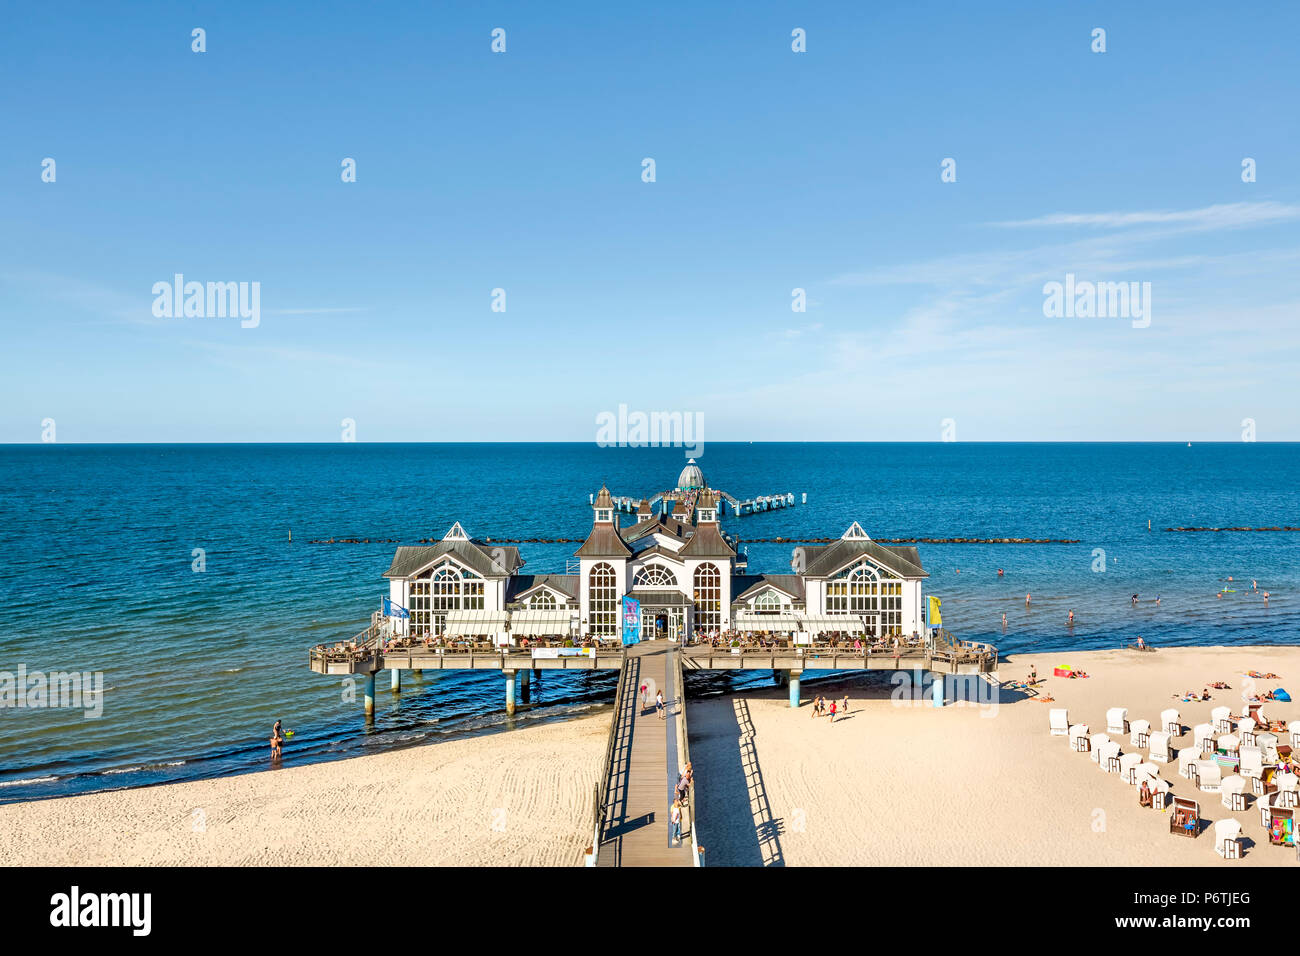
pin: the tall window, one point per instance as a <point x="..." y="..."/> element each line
<point x="654" y="576"/>
<point x="542" y="600"/>
<point x="602" y="617"/>
<point x="708" y="598"/>
<point x="446" y="588"/>
<point x="865" y="590"/>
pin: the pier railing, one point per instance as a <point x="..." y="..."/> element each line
<point x="362" y="645"/>
<point x="684" y="750"/>
<point x="601" y="795"/>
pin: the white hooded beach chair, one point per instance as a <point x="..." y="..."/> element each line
<point x="1095" y="743"/>
<point x="1058" y="722"/>
<point x="1140" y="733"/>
<point x="1288" y="790"/>
<point x="1221" y="717"/>
<point x="1171" y="722"/>
<point x="1160" y="746"/>
<point x="1246" y="731"/>
<point x="1230" y="744"/>
<point x="1209" y="775"/>
<point x="1187" y="758"/>
<point x="1128" y="764"/>
<point x="1162" y="793"/>
<point x="1295" y="734"/>
<point x="1227" y="839"/>
<point x="1079" y="738"/>
<point x="1265" y="804"/>
<point x="1117" y="720"/>
<point x="1251" y="766"/>
<point x="1203" y="734"/>
<point x="1109" y="759"/>
<point x="1148" y="770"/>
<point x="1267" y="744"/>
<point x="1233" y="789"/>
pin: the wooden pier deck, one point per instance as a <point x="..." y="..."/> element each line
<point x="644" y="766"/>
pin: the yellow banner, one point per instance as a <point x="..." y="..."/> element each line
<point x="935" y="619"/>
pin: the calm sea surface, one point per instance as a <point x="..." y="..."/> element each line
<point x="97" y="546"/>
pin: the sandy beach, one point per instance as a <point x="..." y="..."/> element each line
<point x="520" y="798"/>
<point x="903" y="783"/>
<point x="896" y="782"/>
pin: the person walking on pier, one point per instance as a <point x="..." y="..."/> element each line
<point x="675" y="815"/>
<point x="659" y="705"/>
<point x="643" y="690"/>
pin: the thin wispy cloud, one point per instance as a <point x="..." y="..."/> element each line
<point x="1235" y="215"/>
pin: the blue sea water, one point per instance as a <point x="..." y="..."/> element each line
<point x="97" y="550"/>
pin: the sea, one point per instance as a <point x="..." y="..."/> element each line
<point x="170" y="569"/>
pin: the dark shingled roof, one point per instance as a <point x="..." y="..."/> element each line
<point x="745" y="586"/>
<point x="663" y="524"/>
<point x="707" y="542"/>
<point x="823" y="560"/>
<point x="487" y="560"/>
<point x="521" y="584"/>
<point x="604" y="542"/>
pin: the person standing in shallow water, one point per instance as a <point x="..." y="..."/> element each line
<point x="277" y="739"/>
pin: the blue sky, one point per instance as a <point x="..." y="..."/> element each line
<point x="774" y="171"/>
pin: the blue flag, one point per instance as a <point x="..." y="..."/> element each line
<point x="395" y="610"/>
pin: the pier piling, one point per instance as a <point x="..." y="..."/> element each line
<point x="794" y="687"/>
<point x="510" y="693"/>
<point x="370" y="695"/>
<point x="525" y="680"/>
<point x="937" y="689"/>
<point x="397" y="680"/>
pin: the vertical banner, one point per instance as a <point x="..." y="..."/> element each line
<point x="935" y="619"/>
<point x="631" y="621"/>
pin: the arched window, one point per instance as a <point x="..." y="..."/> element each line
<point x="542" y="600"/>
<point x="447" y="587"/>
<point x="769" y="602"/>
<point x="602" y="596"/>
<point x="708" y="598"/>
<point x="654" y="576"/>
<point x="869" y="591"/>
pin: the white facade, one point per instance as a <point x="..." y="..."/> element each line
<point x="872" y="588"/>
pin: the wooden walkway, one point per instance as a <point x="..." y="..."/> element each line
<point x="644" y="767"/>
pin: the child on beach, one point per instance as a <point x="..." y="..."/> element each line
<point x="832" y="712"/>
